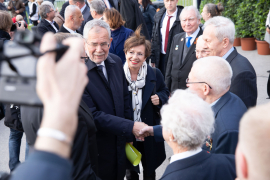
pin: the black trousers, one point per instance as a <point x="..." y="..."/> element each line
<point x="162" y="64"/>
<point x="35" y="23"/>
<point x="133" y="175"/>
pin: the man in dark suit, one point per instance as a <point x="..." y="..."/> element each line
<point x="97" y="8"/>
<point x="73" y="20"/>
<point x="85" y="12"/>
<point x="47" y="24"/>
<point x="108" y="99"/>
<point x="166" y="26"/>
<point x="244" y="80"/>
<point x="182" y="53"/>
<point x="186" y="120"/>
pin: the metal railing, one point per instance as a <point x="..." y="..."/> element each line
<point x="181" y="2"/>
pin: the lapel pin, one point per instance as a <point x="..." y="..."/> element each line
<point x="176" y="47"/>
<point x="182" y="39"/>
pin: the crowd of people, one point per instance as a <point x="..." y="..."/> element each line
<point x="135" y="74"/>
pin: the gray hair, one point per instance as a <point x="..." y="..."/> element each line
<point x="189" y="118"/>
<point x="79" y="1"/>
<point x="224" y="28"/>
<point x="98" y="6"/>
<point x="70" y="10"/>
<point x="95" y="23"/>
<point x="191" y="8"/>
<point x="48" y="3"/>
<point x="215" y="71"/>
<point x="44" y="9"/>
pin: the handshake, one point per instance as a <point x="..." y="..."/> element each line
<point x="142" y="130"/>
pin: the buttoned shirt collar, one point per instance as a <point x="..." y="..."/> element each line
<point x="228" y="53"/>
<point x="184" y="155"/>
<point x="70" y="30"/>
<point x="194" y="35"/>
<point x="82" y="9"/>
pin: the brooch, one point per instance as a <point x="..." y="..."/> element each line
<point x="209" y="142"/>
<point x="176" y="47"/>
<point x="182" y="39"/>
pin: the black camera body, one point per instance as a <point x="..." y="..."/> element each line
<point x="18" y="69"/>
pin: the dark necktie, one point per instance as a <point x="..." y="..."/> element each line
<point x="100" y="69"/>
<point x="167" y="33"/>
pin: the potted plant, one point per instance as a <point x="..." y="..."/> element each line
<point x="260" y="15"/>
<point x="245" y="24"/>
<point x="231" y="12"/>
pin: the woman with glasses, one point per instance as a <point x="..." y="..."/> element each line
<point x="118" y="32"/>
<point x="148" y="93"/>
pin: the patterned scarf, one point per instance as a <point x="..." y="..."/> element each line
<point x="136" y="88"/>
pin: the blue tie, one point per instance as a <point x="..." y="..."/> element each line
<point x="188" y="41"/>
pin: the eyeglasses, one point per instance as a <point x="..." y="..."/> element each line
<point x="131" y="53"/>
<point x="187" y="82"/>
<point x="95" y="45"/>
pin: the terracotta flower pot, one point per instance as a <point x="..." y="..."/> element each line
<point x="237" y="42"/>
<point x="263" y="47"/>
<point x="248" y="44"/>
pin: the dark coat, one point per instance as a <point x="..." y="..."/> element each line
<point x="62" y="12"/>
<point x="64" y="30"/>
<point x="109" y="103"/>
<point x="3" y="7"/>
<point x="176" y="71"/>
<point x="84" y="150"/>
<point x="131" y="13"/>
<point x="202" y="166"/>
<point x="244" y="80"/>
<point x="119" y="37"/>
<point x="44" y="26"/>
<point x="148" y="15"/>
<point x="16" y="5"/>
<point x="156" y="35"/>
<point x="154" y="152"/>
<point x="86" y="16"/>
<point x="228" y="111"/>
<point x="111" y="3"/>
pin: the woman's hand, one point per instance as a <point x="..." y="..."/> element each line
<point x="155" y="99"/>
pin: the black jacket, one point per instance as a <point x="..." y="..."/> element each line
<point x="44" y="26"/>
<point x="84" y="150"/>
<point x="202" y="166"/>
<point x="87" y="17"/>
<point x="62" y="12"/>
<point x="176" y="71"/>
<point x="64" y="30"/>
<point x="3" y="7"/>
<point x="244" y="79"/>
<point x="156" y="35"/>
<point x="131" y="13"/>
<point x="148" y="15"/>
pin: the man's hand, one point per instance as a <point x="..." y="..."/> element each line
<point x="137" y="128"/>
<point x="20" y="28"/>
<point x="17" y="11"/>
<point x="155" y="99"/>
<point x="145" y="132"/>
<point x="268" y="30"/>
<point x="8" y="7"/>
<point x="153" y="64"/>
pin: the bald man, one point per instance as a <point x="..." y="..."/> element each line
<point x="73" y="20"/>
<point x="253" y="151"/>
<point x="200" y="50"/>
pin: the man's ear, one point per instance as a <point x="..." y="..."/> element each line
<point x="241" y="164"/>
<point x="206" y="89"/>
<point x="225" y="42"/>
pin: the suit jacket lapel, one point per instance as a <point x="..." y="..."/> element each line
<point x="149" y="86"/>
<point x="221" y="102"/>
<point x="180" y="49"/>
<point x="232" y="56"/>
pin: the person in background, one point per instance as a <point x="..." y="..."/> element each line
<point x="211" y="10"/>
<point x="26" y="5"/>
<point x="33" y="10"/>
<point x="39" y="2"/>
<point x="253" y="162"/>
<point x="200" y="51"/>
<point x="16" y="7"/>
<point x="118" y="32"/>
<point x="187" y="120"/>
<point x="267" y="25"/>
<point x="58" y="18"/>
<point x="19" y="19"/>
<point x="97" y="8"/>
<point x="2" y="6"/>
<point x="148" y="12"/>
<point x="148" y="93"/>
<point x="62" y="12"/>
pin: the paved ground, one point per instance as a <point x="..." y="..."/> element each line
<point x="260" y="63"/>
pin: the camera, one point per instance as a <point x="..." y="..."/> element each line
<point x="18" y="68"/>
<point x="14" y="27"/>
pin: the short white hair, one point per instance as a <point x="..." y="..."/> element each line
<point x="224" y="28"/>
<point x="95" y="23"/>
<point x="188" y="118"/>
<point x="48" y="3"/>
<point x="191" y="8"/>
<point x="215" y="71"/>
<point x="70" y="10"/>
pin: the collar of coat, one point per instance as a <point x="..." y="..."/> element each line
<point x="160" y="13"/>
<point x="221" y="102"/>
<point x="90" y="64"/>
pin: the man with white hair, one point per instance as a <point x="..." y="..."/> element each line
<point x="210" y="79"/>
<point x="253" y="152"/>
<point x="73" y="20"/>
<point x="182" y="53"/>
<point x="219" y="36"/>
<point x="186" y="121"/>
<point x="107" y="97"/>
<point x="97" y="7"/>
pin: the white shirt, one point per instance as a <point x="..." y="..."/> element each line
<point x="103" y="69"/>
<point x="228" y="53"/>
<point x="82" y="9"/>
<point x="70" y="30"/>
<point x="107" y="3"/>
<point x="56" y="30"/>
<point x="194" y="35"/>
<point x="215" y="102"/>
<point x="184" y="155"/>
<point x="164" y="26"/>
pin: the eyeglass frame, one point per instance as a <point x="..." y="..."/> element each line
<point x="108" y="44"/>
<point x="197" y="82"/>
